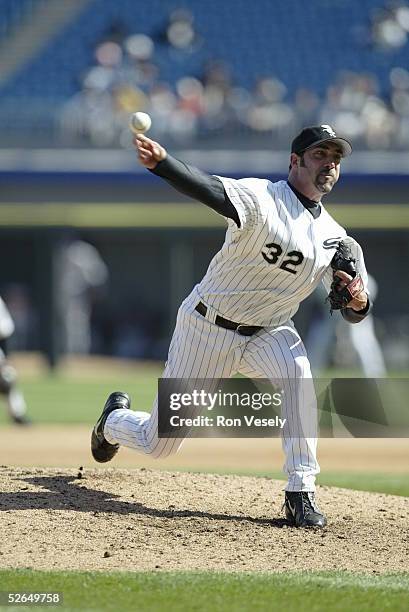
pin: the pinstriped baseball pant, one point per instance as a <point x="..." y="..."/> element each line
<point x="201" y="349"/>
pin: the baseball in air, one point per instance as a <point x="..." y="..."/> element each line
<point x="140" y="122"/>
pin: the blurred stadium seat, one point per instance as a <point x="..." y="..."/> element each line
<point x="12" y="13"/>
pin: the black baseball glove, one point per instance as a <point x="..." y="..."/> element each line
<point x="342" y="292"/>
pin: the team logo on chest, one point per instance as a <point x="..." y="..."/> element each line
<point x="331" y="243"/>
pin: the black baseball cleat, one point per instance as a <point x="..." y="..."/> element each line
<point x="302" y="511"/>
<point x="21" y="420"/>
<point x="103" y="451"/>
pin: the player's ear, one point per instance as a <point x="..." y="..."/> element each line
<point x="294" y="160"/>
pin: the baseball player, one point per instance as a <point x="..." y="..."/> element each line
<point x="16" y="404"/>
<point x="280" y="243"/>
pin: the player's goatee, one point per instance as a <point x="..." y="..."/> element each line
<point x="324" y="183"/>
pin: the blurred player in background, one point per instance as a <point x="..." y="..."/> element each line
<point x="322" y="336"/>
<point x="16" y="404"/>
<point x="82" y="272"/>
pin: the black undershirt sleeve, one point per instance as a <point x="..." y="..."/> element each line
<point x="198" y="185"/>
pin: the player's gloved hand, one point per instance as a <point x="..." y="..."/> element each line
<point x="347" y="287"/>
<point x="347" y="291"/>
<point x="149" y="151"/>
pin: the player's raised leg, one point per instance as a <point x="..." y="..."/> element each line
<point x="199" y="350"/>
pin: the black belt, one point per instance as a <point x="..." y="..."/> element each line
<point x="244" y="330"/>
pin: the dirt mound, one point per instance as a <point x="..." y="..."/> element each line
<point x="147" y="519"/>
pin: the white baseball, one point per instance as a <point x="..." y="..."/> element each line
<point x="140" y="122"/>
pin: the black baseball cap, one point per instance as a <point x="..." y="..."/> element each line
<point x="312" y="136"/>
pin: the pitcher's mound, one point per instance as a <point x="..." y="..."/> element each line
<point x="142" y="519"/>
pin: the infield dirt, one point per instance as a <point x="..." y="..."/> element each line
<point x="143" y="519"/>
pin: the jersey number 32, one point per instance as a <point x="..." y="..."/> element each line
<point x="272" y="253"/>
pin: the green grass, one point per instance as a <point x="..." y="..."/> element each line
<point x="62" y="398"/>
<point x="389" y="483"/>
<point x="65" y="398"/>
<point x="392" y="484"/>
<point x="217" y="592"/>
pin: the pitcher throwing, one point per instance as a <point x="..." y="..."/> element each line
<point x="280" y="243"/>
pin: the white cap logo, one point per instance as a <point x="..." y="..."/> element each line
<point x="328" y="128"/>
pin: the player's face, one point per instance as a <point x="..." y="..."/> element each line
<point x="322" y="165"/>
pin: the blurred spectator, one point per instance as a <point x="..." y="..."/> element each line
<point x="109" y="54"/>
<point x="399" y="79"/>
<point x="390" y="26"/>
<point x="89" y="115"/>
<point x="179" y="32"/>
<point x="140" y="69"/>
<point x="355" y="109"/>
<point x="163" y="103"/>
<point x="306" y="108"/>
<point x="217" y="82"/>
<point x="268" y="112"/>
<point x="183" y="124"/>
<point x="380" y="124"/>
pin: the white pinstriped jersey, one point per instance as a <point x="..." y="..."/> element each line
<point x="275" y="259"/>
